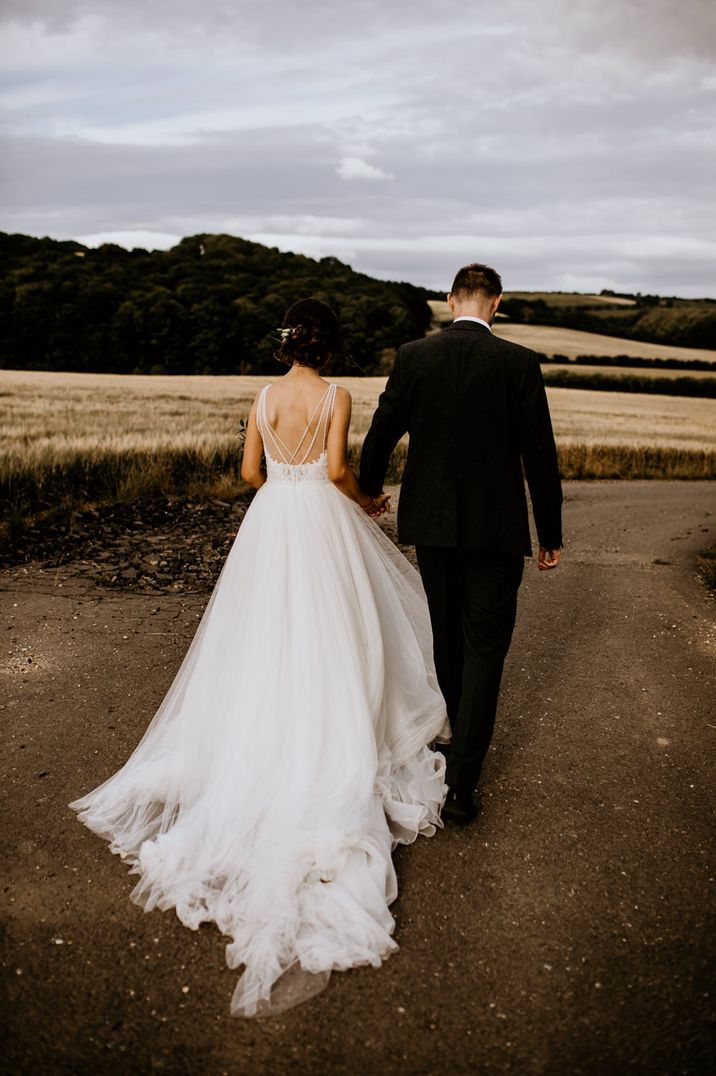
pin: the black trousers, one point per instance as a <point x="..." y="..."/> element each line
<point x="472" y="596"/>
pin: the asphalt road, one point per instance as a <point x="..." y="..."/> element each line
<point x="567" y="931"/>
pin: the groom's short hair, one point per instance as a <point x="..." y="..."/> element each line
<point x="475" y="278"/>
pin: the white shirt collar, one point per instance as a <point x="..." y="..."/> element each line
<point x="469" y="317"/>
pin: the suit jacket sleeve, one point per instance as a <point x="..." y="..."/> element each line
<point x="539" y="456"/>
<point x="388" y="426"/>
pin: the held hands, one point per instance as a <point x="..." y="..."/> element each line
<point x="377" y="506"/>
<point x="548" y="558"/>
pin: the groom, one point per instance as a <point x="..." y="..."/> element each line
<point x="476" y="411"/>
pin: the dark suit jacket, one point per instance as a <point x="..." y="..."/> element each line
<point x="475" y="409"/>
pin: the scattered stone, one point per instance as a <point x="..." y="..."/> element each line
<point x="164" y="545"/>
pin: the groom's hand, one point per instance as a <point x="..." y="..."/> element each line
<point x="548" y="558"/>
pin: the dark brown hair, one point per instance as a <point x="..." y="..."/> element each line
<point x="475" y="278"/>
<point x="311" y="334"/>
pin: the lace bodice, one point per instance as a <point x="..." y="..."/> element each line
<point x="316" y="471"/>
<point x="283" y="465"/>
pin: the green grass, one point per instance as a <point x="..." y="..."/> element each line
<point x="115" y="476"/>
<point x="585" y="461"/>
<point x="120" y="476"/>
<point x="663" y="386"/>
<point x="77" y="440"/>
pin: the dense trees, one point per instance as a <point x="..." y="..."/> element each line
<point x="210" y="305"/>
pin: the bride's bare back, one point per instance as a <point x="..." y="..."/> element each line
<point x="297" y="412"/>
<point x="295" y="421"/>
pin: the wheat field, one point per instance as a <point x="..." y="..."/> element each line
<point x="39" y="409"/>
<point x="84" y="438"/>
<point x="553" y="340"/>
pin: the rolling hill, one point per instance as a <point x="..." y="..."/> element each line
<point x="212" y="304"/>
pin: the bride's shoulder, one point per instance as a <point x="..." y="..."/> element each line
<point x="343" y="397"/>
<point x="260" y="394"/>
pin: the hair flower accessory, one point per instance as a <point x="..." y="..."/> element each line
<point x="285" y="333"/>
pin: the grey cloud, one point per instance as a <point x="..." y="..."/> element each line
<point x="566" y="141"/>
<point x="651" y="28"/>
<point x="540" y="234"/>
<point x="648" y="27"/>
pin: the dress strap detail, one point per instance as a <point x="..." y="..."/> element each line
<point x="323" y="409"/>
<point x="331" y="405"/>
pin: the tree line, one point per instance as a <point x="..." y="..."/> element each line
<point x="651" y="318"/>
<point x="212" y="304"/>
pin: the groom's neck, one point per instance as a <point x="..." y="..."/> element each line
<point x="474" y="311"/>
<point x="475" y="306"/>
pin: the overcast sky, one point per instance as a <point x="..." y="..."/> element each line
<point x="570" y="143"/>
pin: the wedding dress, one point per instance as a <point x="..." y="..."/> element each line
<point x="291" y="752"/>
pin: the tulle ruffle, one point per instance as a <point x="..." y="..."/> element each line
<point x="290" y="755"/>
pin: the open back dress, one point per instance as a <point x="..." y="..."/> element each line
<point x="292" y="751"/>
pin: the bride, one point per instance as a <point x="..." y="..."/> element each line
<point x="291" y="753"/>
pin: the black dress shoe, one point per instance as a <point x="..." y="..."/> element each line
<point x="459" y="806"/>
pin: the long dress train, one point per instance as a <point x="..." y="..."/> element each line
<point x="290" y="754"/>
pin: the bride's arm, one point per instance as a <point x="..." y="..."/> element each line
<point x="251" y="471"/>
<point x="340" y="471"/>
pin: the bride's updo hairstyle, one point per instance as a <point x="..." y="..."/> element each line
<point x="311" y="334"/>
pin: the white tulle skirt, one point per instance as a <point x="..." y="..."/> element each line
<point x="290" y="754"/>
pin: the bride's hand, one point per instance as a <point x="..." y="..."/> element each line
<point x="379" y="505"/>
